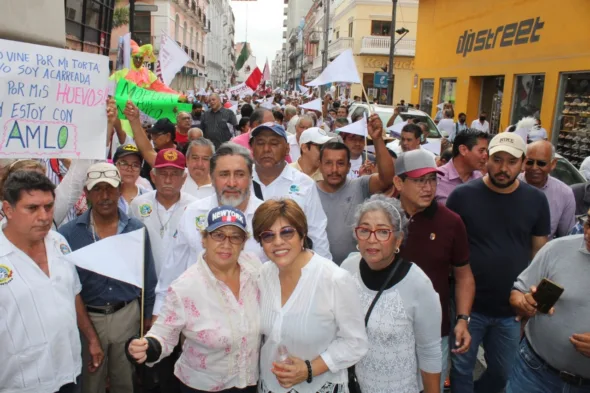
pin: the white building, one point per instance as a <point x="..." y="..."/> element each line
<point x="220" y="54"/>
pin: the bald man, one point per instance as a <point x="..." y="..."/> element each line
<point x="218" y="123"/>
<point x="184" y="122"/>
<point x="540" y="161"/>
<point x="194" y="133"/>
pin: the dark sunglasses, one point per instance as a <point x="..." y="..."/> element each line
<point x="285" y="233"/>
<point x="540" y="163"/>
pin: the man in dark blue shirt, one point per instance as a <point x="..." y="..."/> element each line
<point x="507" y="222"/>
<point x="112" y="305"/>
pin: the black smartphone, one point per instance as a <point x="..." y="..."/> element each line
<point x="547" y="295"/>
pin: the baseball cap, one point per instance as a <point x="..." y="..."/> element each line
<point x="163" y="126"/>
<point x="274" y="127"/>
<point x="102" y="172"/>
<point x="225" y="215"/>
<point x="170" y="158"/>
<point x="314" y="135"/>
<point x="509" y="142"/>
<point x="126" y="150"/>
<point x="416" y="163"/>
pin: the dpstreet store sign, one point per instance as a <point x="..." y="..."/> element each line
<point x="519" y="33"/>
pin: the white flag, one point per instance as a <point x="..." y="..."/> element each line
<point x="171" y="59"/>
<point x="342" y="69"/>
<point x="359" y="127"/>
<point x="315" y="105"/>
<point x="120" y="257"/>
<point x="396" y="129"/>
<point x="303" y="89"/>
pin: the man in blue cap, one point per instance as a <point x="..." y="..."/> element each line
<point x="273" y="178"/>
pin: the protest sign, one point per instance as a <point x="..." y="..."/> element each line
<point x="240" y="90"/>
<point x="152" y="103"/>
<point x="52" y="102"/>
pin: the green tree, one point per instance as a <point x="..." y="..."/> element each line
<point x="120" y="16"/>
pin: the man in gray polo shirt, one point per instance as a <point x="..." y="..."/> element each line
<point x="555" y="354"/>
<point x="340" y="195"/>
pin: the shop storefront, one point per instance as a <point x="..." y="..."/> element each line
<point x="531" y="61"/>
<point x="368" y="65"/>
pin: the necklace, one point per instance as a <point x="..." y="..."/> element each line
<point x="164" y="226"/>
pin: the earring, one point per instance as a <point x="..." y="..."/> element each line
<point x="397" y="250"/>
<point x="357" y="247"/>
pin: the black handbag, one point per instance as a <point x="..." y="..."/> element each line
<point x="353" y="383"/>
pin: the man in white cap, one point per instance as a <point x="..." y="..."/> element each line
<point x="310" y="143"/>
<point x="507" y="222"/>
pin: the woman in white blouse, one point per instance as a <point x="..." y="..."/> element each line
<point x="311" y="320"/>
<point x="215" y="305"/>
<point x="404" y="326"/>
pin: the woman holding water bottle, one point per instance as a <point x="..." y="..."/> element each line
<point x="311" y="320"/>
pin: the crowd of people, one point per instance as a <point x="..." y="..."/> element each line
<point x="281" y="256"/>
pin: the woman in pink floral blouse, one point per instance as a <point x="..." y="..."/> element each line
<point x="215" y="305"/>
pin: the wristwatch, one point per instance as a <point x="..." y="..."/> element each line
<point x="464" y="317"/>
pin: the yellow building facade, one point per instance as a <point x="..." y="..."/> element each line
<point x="510" y="58"/>
<point x="363" y="25"/>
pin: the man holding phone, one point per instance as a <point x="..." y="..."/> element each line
<point x="554" y="355"/>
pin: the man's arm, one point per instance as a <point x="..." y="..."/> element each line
<point x="383" y="179"/>
<point x="87" y="328"/>
<point x="141" y="140"/>
<point x="464" y="294"/>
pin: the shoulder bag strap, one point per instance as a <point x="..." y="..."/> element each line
<point x="389" y="278"/>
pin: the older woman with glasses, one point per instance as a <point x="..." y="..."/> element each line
<point x="311" y="318"/>
<point x="404" y="324"/>
<point x="215" y="305"/>
<point x="128" y="160"/>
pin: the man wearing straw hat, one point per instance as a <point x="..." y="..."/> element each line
<point x="111" y="305"/>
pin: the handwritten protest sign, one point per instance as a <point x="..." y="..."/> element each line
<point x="240" y="90"/>
<point x="152" y="103"/>
<point x="52" y="102"/>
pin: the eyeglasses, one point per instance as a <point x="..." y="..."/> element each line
<point x="285" y="233"/>
<point x="126" y="166"/>
<point x="98" y="174"/>
<point x="422" y="181"/>
<point x="540" y="163"/>
<point x="381" y="235"/>
<point x="220" y="237"/>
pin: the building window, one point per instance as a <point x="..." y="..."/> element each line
<point x="143" y="28"/>
<point x="89" y="24"/>
<point x="426" y="95"/>
<point x="184" y="32"/>
<point x="448" y="90"/>
<point x="528" y="96"/>
<point x="177" y="28"/>
<point x="380" y="27"/>
<point x="350" y="29"/>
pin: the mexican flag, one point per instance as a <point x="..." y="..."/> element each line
<point x="244" y="54"/>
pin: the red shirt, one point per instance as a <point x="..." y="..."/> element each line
<point x="437" y="241"/>
<point x="181" y="138"/>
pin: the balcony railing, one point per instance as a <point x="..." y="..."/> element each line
<point x="339" y="46"/>
<point x="377" y="45"/>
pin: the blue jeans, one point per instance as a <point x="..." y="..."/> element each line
<point x="500" y="338"/>
<point x="531" y="375"/>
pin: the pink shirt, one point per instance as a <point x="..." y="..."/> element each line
<point x="244" y="140"/>
<point x="450" y="180"/>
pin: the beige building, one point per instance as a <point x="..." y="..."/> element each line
<point x="364" y="26"/>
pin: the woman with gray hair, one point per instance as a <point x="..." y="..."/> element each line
<point x="403" y="313"/>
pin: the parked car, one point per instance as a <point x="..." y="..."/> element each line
<point x="385" y="112"/>
<point x="423" y="117"/>
<point x="567" y="172"/>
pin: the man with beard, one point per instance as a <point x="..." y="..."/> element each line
<point x="196" y="114"/>
<point x="470" y="154"/>
<point x="231" y="173"/>
<point x="340" y="195"/>
<point x="507" y="222"/>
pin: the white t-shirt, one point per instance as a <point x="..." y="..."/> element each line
<point x="537" y="134"/>
<point x="355" y="167"/>
<point x="190" y="187"/>
<point x="155" y="217"/>
<point x="447" y="126"/>
<point x="294" y="149"/>
<point x="41" y="348"/>
<point x="485" y="127"/>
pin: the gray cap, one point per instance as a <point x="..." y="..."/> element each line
<point x="415" y="163"/>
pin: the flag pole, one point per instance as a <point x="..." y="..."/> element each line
<point x="141" y="332"/>
<point x="370" y="110"/>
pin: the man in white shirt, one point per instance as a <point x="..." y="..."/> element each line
<point x="481" y="123"/>
<point x="291" y="118"/>
<point x="447" y="126"/>
<point x="231" y="172"/>
<point x="198" y="183"/>
<point x="303" y="123"/>
<point x="160" y="210"/>
<point x="273" y="178"/>
<point x="39" y="295"/>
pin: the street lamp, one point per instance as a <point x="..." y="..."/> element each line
<point x="402" y="32"/>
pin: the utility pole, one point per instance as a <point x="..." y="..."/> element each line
<point x="390" y="79"/>
<point x="326" y="35"/>
<point x="131" y="17"/>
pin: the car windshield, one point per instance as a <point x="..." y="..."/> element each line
<point x="384" y="113"/>
<point x="432" y="130"/>
<point x="567" y="173"/>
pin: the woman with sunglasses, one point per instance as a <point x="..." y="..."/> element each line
<point x="311" y="318"/>
<point x="215" y="305"/>
<point x="404" y="325"/>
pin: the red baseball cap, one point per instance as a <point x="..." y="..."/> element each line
<point x="170" y="158"/>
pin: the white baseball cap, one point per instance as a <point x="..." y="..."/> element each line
<point x="314" y="135"/>
<point x="508" y="142"/>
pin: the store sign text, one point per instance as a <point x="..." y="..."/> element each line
<point x="518" y="33"/>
